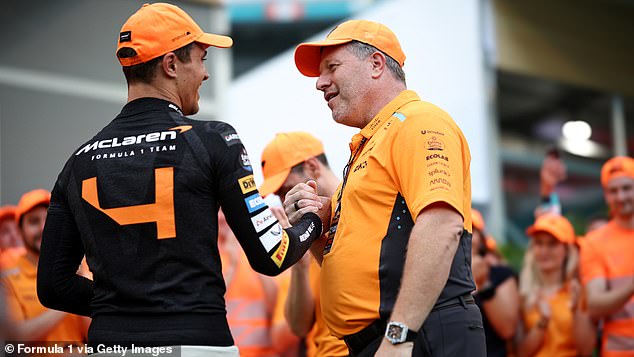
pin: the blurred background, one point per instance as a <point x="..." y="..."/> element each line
<point x="519" y="77"/>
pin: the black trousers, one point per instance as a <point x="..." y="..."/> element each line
<point x="456" y="331"/>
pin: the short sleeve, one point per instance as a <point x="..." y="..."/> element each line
<point x="591" y="265"/>
<point x="429" y="162"/>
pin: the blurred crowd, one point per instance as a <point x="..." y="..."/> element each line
<point x="574" y="294"/>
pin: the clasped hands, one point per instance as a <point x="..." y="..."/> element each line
<point x="302" y="199"/>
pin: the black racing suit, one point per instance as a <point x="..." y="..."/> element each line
<point x="141" y="201"/>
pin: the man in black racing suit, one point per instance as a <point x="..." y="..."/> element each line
<point x="140" y="200"/>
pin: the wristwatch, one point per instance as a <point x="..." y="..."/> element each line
<point x="398" y="332"/>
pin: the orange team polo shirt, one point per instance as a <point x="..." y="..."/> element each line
<point x="607" y="254"/>
<point x="23" y="304"/>
<point x="286" y="342"/>
<point x="319" y="341"/>
<point x="558" y="339"/>
<point x="9" y="258"/>
<point x="247" y="313"/>
<point x="415" y="155"/>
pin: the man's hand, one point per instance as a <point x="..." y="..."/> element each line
<point x="302" y="199"/>
<point x="543" y="306"/>
<point x="279" y="213"/>
<point x="324" y="213"/>
<point x="387" y="349"/>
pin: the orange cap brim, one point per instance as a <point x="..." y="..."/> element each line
<point x="274" y="182"/>
<point x="308" y="55"/>
<point x="211" y="39"/>
<point x="532" y="230"/>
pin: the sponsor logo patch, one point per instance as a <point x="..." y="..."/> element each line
<point x="436" y="156"/>
<point x="169" y="134"/>
<point x="244" y="160"/>
<point x="360" y="166"/>
<point x="247" y="184"/>
<point x="263" y="220"/>
<point x="440" y="181"/>
<point x="435" y="144"/>
<point x="271" y="237"/>
<point x="425" y="132"/>
<point x="306" y="234"/>
<point x="254" y="202"/>
<point x="434" y="163"/>
<point x="230" y="137"/>
<point x="439" y="172"/>
<point x="280" y="253"/>
<point x="125" y="36"/>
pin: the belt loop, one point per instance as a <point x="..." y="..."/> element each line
<point x="462" y="301"/>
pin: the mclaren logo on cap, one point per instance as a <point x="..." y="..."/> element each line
<point x="125" y="36"/>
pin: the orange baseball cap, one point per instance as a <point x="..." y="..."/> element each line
<point x="476" y="220"/>
<point x="285" y="151"/>
<point x="156" y="29"/>
<point x="617" y="167"/>
<point x="30" y="200"/>
<point x="308" y="55"/>
<point x="555" y="225"/>
<point x="7" y="212"/>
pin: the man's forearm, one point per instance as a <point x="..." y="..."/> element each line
<point x="430" y="252"/>
<point x="602" y="303"/>
<point x="300" y="303"/>
<point x="37" y="327"/>
<point x="503" y="310"/>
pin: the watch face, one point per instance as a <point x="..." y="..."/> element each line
<point x="396" y="332"/>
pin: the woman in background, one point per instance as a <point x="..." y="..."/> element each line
<point x="496" y="295"/>
<point x="554" y="320"/>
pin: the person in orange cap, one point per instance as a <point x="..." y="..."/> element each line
<point x="11" y="244"/>
<point x="607" y="267"/>
<point x="554" y="322"/>
<point x="396" y="259"/>
<point x="496" y="293"/>
<point x="30" y="320"/>
<point x="250" y="297"/>
<point x="292" y="158"/>
<point x="140" y="200"/>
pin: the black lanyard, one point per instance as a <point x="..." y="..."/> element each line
<point x="335" y="220"/>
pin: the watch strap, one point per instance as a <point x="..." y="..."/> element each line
<point x="411" y="336"/>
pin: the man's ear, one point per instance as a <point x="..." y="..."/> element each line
<point x="169" y="64"/>
<point x="312" y="168"/>
<point x="378" y="62"/>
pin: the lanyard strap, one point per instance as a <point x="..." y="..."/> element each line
<point x="335" y="220"/>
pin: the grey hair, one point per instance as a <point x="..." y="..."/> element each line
<point x="363" y="50"/>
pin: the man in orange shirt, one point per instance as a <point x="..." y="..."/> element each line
<point x="250" y="297"/>
<point x="397" y="258"/>
<point x="606" y="261"/>
<point x="31" y="320"/>
<point x="289" y="159"/>
<point x="11" y="246"/>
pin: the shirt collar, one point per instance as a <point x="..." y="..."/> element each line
<point x="148" y="104"/>
<point x="381" y="118"/>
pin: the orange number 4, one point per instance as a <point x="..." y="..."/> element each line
<point x="161" y="212"/>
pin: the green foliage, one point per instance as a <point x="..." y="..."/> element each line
<point x="513" y="254"/>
